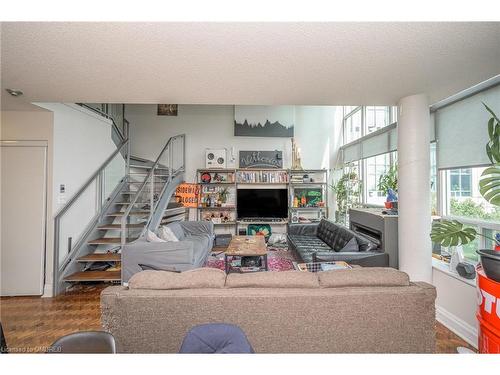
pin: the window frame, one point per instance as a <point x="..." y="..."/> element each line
<point x="443" y="207"/>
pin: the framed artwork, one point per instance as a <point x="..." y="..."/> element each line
<point x="167" y="110"/>
<point x="264" y="121"/>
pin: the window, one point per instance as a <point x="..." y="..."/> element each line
<point x="375" y="167"/>
<point x="376" y="118"/>
<point x="352" y="126"/>
<point x="360" y="121"/>
<point x="463" y="201"/>
<point x="462" y="196"/>
<point x="460" y="182"/>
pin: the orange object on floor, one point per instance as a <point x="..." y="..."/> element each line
<point x="488" y="313"/>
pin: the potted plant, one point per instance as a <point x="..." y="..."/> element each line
<point x="453" y="232"/>
<point x="223" y="194"/>
<point x="388" y="185"/>
<point x="347" y="191"/>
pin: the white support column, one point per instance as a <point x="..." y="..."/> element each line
<point x="414" y="225"/>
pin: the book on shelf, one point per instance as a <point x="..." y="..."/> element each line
<point x="264" y="177"/>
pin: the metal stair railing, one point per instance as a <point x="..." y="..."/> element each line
<point x="86" y="207"/>
<point x="170" y="161"/>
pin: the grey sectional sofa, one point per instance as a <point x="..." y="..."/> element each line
<point x="328" y="241"/>
<point x="191" y="251"/>
<point x="361" y="310"/>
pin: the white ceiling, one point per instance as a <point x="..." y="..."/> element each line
<point x="244" y="63"/>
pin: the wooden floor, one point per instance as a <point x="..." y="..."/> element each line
<point x="33" y="323"/>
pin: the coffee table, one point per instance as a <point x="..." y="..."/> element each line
<point x="242" y="246"/>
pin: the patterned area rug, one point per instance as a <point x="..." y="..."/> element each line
<point x="278" y="259"/>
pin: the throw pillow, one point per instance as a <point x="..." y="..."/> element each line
<point x="166" y="234"/>
<point x="351" y="246"/>
<point x="152" y="237"/>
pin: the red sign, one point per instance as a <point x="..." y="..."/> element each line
<point x="187" y="194"/>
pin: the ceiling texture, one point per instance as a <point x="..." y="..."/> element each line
<point x="244" y="63"/>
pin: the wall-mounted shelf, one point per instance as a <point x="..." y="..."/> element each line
<point x="315" y="189"/>
<point x="217" y="208"/>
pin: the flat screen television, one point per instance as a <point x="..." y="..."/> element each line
<point x="262" y="203"/>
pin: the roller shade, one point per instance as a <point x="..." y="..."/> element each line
<point x="377" y="143"/>
<point x="462" y="130"/>
<point x="351" y="152"/>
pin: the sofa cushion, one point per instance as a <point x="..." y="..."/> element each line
<point x="201" y="246"/>
<point x="364" y="244"/>
<point x="308" y="242"/>
<point x="200" y="278"/>
<point x="152" y="237"/>
<point x="350" y="247"/>
<point x="373" y="276"/>
<point x="334" y="235"/>
<point x="286" y="279"/>
<point x="166" y="234"/>
<point x="176" y="228"/>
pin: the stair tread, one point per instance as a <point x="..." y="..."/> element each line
<point x="141" y="182"/>
<point x="146" y="173"/>
<point x="129" y="203"/>
<point x="94" y="276"/>
<point x="118" y="226"/>
<point x="107" y="240"/>
<point x="98" y="257"/>
<point x="147" y="167"/>
<point x="129" y="192"/>
<point x="132" y="213"/>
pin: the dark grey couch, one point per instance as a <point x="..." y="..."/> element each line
<point x="327" y="241"/>
<point x="196" y="240"/>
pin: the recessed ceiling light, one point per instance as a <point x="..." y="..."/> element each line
<point x="14" y="92"/>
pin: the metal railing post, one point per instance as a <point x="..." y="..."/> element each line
<point x="123" y="227"/>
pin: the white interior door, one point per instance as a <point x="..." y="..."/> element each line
<point x="23" y="217"/>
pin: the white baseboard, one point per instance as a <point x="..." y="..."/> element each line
<point x="47" y="291"/>
<point x="457" y="326"/>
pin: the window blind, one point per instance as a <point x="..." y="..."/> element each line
<point x="462" y="130"/>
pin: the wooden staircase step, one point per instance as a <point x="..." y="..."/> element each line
<point x="108" y="241"/>
<point x="101" y="257"/>
<point x="133" y="213"/>
<point x="94" y="276"/>
<point x="118" y="226"/>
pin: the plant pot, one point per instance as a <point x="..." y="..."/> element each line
<point x="490" y="260"/>
<point x="388" y="204"/>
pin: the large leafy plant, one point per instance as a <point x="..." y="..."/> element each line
<point x="452" y="232"/>
<point x="347" y="191"/>
<point x="389" y="180"/>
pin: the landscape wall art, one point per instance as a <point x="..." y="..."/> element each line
<point x="264" y="121"/>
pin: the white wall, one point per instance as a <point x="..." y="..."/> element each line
<point x="82" y="141"/>
<point x="456" y="303"/>
<point x="211" y="126"/>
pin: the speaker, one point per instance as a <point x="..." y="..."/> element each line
<point x="466" y="270"/>
<point x="215" y="158"/>
<point x="242" y="232"/>
<point x="295" y="217"/>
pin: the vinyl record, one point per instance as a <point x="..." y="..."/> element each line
<point x="206" y="178"/>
